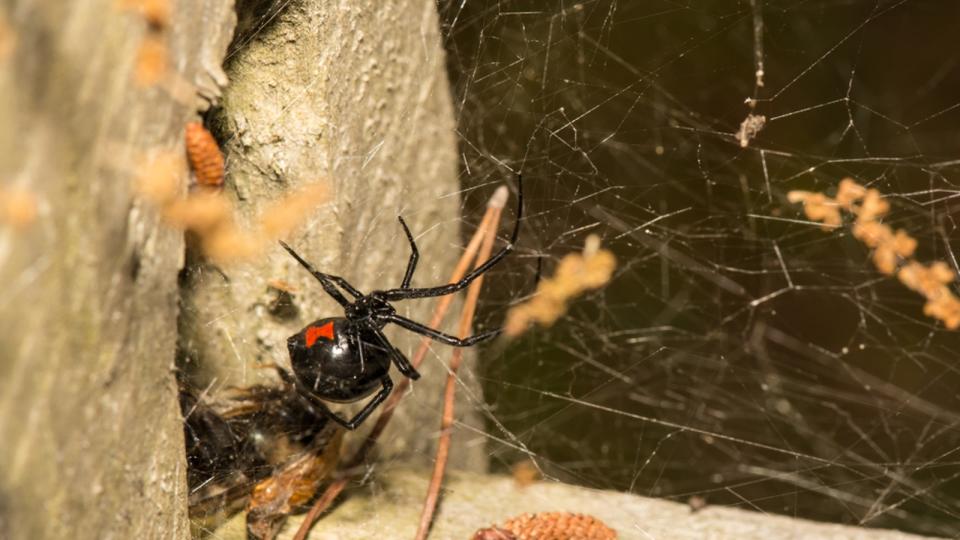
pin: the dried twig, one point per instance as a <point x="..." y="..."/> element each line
<point x="750" y="128"/>
<point x="496" y="203"/>
<point x="446" y="424"/>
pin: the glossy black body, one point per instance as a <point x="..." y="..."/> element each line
<point x="331" y="369"/>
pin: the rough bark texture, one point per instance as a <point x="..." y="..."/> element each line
<point x="90" y="436"/>
<point x="354" y="94"/>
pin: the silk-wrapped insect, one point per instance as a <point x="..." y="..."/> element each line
<point x="262" y="449"/>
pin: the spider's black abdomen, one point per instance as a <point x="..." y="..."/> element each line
<point x="325" y="357"/>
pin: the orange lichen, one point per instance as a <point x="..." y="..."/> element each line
<point x="8" y="38"/>
<point x="549" y="526"/>
<point x="873" y="207"/>
<point x="525" y="473"/>
<point x="891" y="249"/>
<point x="155" y="12"/>
<point x="200" y="213"/>
<point x="18" y="207"/>
<point x="281" y="217"/>
<point x="281" y="285"/>
<point x="152" y="60"/>
<point x="575" y="274"/>
<point x="204" y="156"/>
<point x="210" y="214"/>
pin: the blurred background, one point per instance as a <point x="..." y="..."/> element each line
<point x="741" y="356"/>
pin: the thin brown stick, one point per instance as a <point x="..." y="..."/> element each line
<point x="446" y="425"/>
<point x="498" y="200"/>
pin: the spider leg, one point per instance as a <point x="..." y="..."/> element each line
<point x="326" y="280"/>
<point x="364" y="413"/>
<point x="372" y="404"/>
<point x="443" y="290"/>
<point x="399" y="359"/>
<point x="437" y="335"/>
<point x="414" y="256"/>
<point x="344" y="284"/>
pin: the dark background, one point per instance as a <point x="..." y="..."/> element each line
<point x="740" y="354"/>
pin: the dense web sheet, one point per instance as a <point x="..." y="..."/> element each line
<point x="741" y="355"/>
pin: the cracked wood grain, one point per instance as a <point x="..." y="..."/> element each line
<point x="91" y="437"/>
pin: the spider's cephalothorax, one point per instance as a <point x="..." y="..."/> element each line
<point x="345" y="359"/>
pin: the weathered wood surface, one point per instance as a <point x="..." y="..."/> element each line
<point x="90" y="436"/>
<point x="354" y="94"/>
<point x="90" y="433"/>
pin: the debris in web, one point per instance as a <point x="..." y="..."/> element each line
<point x="289" y="488"/>
<point x="750" y="128"/>
<point x="576" y="274"/>
<point x="892" y="250"/>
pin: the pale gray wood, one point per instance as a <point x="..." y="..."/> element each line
<point x="390" y="508"/>
<point x="91" y="442"/>
<point x="354" y="94"/>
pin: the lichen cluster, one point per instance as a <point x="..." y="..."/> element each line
<point x="209" y="214"/>
<point x="152" y="56"/>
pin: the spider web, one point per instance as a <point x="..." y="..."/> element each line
<point x="741" y="354"/>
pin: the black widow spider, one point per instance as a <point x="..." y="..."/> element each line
<point x="344" y="359"/>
